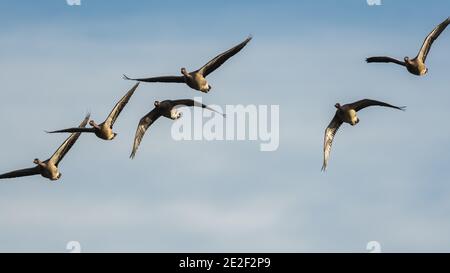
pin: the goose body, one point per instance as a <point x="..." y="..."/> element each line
<point x="197" y="79"/>
<point x="104" y="130"/>
<point x="198" y="82"/>
<point x="416" y="66"/>
<point x="168" y="109"/>
<point x="346" y="114"/>
<point x="49" y="171"/>
<point x="49" y="168"/>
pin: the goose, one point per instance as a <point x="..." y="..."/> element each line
<point x="347" y="113"/>
<point x="196" y="79"/>
<point x="168" y="109"/>
<point x="49" y="168"/>
<point x="416" y="65"/>
<point x="104" y="130"/>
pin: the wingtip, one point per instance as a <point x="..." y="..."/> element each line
<point x="125" y="77"/>
<point x="403" y="108"/>
<point x="135" y="87"/>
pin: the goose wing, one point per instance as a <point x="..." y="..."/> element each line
<point x="73" y="130"/>
<point x="21" y="173"/>
<point x="425" y="49"/>
<point x="361" y="104"/>
<point x="67" y="145"/>
<point x="384" y="59"/>
<point x="143" y="125"/>
<point x="330" y="132"/>
<point x="193" y="103"/>
<point x="179" y="79"/>
<point x="120" y="105"/>
<point x="222" y="58"/>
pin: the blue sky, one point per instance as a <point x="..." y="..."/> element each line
<point x="387" y="178"/>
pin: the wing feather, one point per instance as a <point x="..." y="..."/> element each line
<point x="330" y="132"/>
<point x="434" y="34"/>
<point x="384" y="59"/>
<point x="120" y="106"/>
<point x="74" y="130"/>
<point x="21" y="173"/>
<point x="68" y="143"/>
<point x="361" y="104"/>
<point x="193" y="103"/>
<point x="217" y="61"/>
<point x="143" y="125"/>
<point x="178" y="79"/>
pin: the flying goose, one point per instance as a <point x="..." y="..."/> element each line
<point x="168" y="109"/>
<point x="104" y="129"/>
<point x="416" y="66"/>
<point x="196" y="79"/>
<point x="346" y="113"/>
<point x="49" y="168"/>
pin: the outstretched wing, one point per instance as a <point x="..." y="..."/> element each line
<point x="359" y="105"/>
<point x="120" y="105"/>
<point x="425" y="49"/>
<point x="70" y="141"/>
<point x="21" y="173"/>
<point x="221" y="58"/>
<point x="384" y="59"/>
<point x="74" y="130"/>
<point x="144" y="123"/>
<point x="189" y="102"/>
<point x="330" y="132"/>
<point x="179" y="79"/>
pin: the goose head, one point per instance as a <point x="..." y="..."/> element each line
<point x="93" y="124"/>
<point x="39" y="163"/>
<point x="184" y="71"/>
<point x="157" y="103"/>
<point x="406" y="59"/>
<point x="338" y="106"/>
